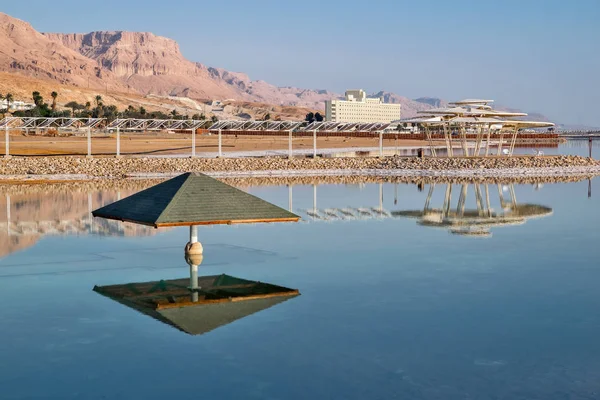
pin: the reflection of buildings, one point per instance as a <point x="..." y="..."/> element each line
<point x="199" y="304"/>
<point x="30" y="216"/>
<point x="474" y="222"/>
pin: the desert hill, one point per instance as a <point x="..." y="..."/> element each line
<point x="145" y="70"/>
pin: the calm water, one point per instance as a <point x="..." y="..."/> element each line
<point x="390" y="307"/>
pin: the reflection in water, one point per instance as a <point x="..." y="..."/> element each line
<point x="32" y="214"/>
<point x="200" y="304"/>
<point x="475" y="222"/>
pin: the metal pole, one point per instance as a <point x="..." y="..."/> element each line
<point x="89" y="142"/>
<point x="220" y="145"/>
<point x="290" y="145"/>
<point x="118" y="141"/>
<point x="193" y="143"/>
<point x="315" y="144"/>
<point x="193" y="233"/>
<point x="380" y="144"/>
<point x="7" y="141"/>
<point x="380" y="198"/>
<point x="590" y="146"/>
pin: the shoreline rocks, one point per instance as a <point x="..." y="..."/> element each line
<point x="118" y="168"/>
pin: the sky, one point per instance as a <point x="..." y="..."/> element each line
<point x="535" y="55"/>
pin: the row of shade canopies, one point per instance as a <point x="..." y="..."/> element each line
<point x="151" y="124"/>
<point x="476" y="125"/>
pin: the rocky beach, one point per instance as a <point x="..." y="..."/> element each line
<point x="81" y="168"/>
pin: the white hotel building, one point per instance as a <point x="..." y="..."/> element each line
<point x="358" y="108"/>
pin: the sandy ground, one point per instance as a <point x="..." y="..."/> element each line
<point x="180" y="144"/>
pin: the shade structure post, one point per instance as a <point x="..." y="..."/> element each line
<point x="193" y="247"/>
<point x="290" y="198"/>
<point x="193" y="233"/>
<point x="220" y="154"/>
<point x="380" y="144"/>
<point x="500" y="141"/>
<point x="6" y="142"/>
<point x="487" y="141"/>
<point x="118" y="142"/>
<point x="315" y="144"/>
<point x="290" y="144"/>
<point x="193" y="143"/>
<point x="89" y="141"/>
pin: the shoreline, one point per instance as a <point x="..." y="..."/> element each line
<point x="45" y="170"/>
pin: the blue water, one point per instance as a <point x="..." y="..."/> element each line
<point x="388" y="308"/>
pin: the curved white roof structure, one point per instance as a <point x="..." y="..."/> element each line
<point x="474" y="119"/>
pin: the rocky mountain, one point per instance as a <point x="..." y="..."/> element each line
<point x="123" y="65"/>
<point x="25" y="51"/>
<point x="154" y="64"/>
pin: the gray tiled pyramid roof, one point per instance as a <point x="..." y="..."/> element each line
<point x="193" y="199"/>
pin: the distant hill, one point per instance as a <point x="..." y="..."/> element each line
<point x="143" y="64"/>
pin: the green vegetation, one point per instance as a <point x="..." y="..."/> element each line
<point x="312" y="117"/>
<point x="100" y="110"/>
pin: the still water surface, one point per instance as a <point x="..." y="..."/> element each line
<point x="390" y="306"/>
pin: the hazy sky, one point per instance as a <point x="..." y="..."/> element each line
<point x="537" y="55"/>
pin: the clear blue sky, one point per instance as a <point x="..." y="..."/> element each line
<point x="537" y="55"/>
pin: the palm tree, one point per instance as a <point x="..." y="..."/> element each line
<point x="88" y="105"/>
<point x="9" y="98"/>
<point x="54" y="96"/>
<point x="37" y="98"/>
<point x="98" y="100"/>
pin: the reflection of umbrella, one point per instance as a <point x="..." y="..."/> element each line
<point x="477" y="222"/>
<point x="219" y="300"/>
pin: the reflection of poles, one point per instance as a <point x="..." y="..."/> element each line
<point x="8" y="214"/>
<point x="429" y="195"/>
<point x="513" y="195"/>
<point x="447" y="200"/>
<point x="314" y="201"/>
<point x="290" y="204"/>
<point x="118" y="196"/>
<point x="479" y="200"/>
<point x="501" y="197"/>
<point x="380" y="198"/>
<point x="462" y="200"/>
<point x="395" y="193"/>
<point x="194" y="281"/>
<point x="380" y="144"/>
<point x="90" y="212"/>
<point x="487" y="200"/>
<point x="590" y="146"/>
<point x="589" y="188"/>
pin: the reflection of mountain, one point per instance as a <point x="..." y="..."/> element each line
<point x="475" y="222"/>
<point x="217" y="301"/>
<point x="25" y="217"/>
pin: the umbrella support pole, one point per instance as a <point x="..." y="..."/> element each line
<point x="194" y="247"/>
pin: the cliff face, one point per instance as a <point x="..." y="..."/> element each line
<point x="25" y="51"/>
<point x="154" y="65"/>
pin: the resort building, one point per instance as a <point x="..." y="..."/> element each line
<point x="356" y="107"/>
